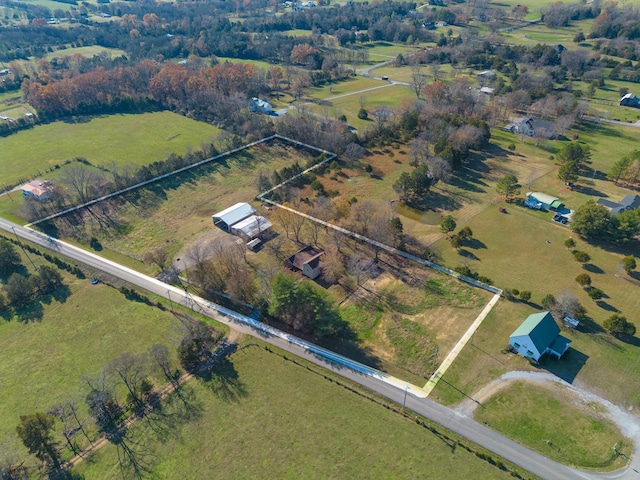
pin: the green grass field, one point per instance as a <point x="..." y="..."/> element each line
<point x="44" y="360"/>
<point x="135" y="139"/>
<point x="89" y="51"/>
<point x="262" y="417"/>
<point x="577" y="436"/>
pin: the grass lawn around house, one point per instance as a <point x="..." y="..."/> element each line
<point x="571" y="431"/>
<point x="43" y="361"/>
<point x="125" y="139"/>
<point x="257" y="395"/>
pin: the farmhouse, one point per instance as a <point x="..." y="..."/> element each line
<point x="306" y="260"/>
<point x="537" y="335"/>
<point x="232" y="215"/>
<point x="486" y="75"/>
<point x="530" y="127"/>
<point x="630" y="100"/>
<point x="629" y="202"/>
<point x="547" y="202"/>
<point x="260" y="105"/>
<point x="38" y="190"/>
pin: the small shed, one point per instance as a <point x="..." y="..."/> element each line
<point x="306" y="260"/>
<point x="232" y="215"/>
<point x="251" y="227"/>
<point x="537" y="335"/>
<point x="571" y="322"/>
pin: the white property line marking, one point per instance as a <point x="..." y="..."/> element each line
<point x="453" y="354"/>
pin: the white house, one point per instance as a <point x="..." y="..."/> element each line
<point x="537" y="335"/>
<point x="38" y="190"/>
<point x="530" y="127"/>
<point x="260" y="105"/>
<point x="307" y="260"/>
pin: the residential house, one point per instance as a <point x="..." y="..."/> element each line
<point x="40" y="190"/>
<point x="630" y="100"/>
<point x="537" y="335"/>
<point x="547" y="202"/>
<point x="530" y="127"/>
<point x="306" y="260"/>
<point x="629" y="202"/>
<point x="232" y="215"/>
<point x="260" y="106"/>
<point x="487" y="75"/>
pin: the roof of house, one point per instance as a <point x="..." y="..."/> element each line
<point x="630" y="96"/>
<point x="37" y="188"/>
<point x="235" y="213"/>
<point x="544" y="198"/>
<point x="253" y="225"/>
<point x="487" y="73"/>
<point x="560" y="344"/>
<point x="607" y="203"/>
<point x="306" y="256"/>
<point x="631" y="201"/>
<point x="541" y="328"/>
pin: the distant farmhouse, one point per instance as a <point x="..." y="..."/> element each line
<point x="241" y="220"/>
<point x="629" y="202"/>
<point x="630" y="100"/>
<point x="38" y="190"/>
<point x="530" y="127"/>
<point x="260" y="105"/>
<point x="306" y="260"/>
<point x="537" y="335"/>
<point x="486" y="75"/>
<point x="542" y="201"/>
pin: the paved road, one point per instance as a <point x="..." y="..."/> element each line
<point x="439" y="414"/>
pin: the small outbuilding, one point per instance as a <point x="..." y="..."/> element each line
<point x="232" y="215"/>
<point x="547" y="202"/>
<point x="537" y="335"/>
<point x="307" y="260"/>
<point x="251" y="227"/>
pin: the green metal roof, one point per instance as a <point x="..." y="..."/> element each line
<point x="544" y="198"/>
<point x="560" y="344"/>
<point x="541" y="328"/>
<point x="556" y="204"/>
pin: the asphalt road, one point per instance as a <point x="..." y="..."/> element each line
<point x="448" y="418"/>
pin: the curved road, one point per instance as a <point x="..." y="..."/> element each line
<point x="376" y="381"/>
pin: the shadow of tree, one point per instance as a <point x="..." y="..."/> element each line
<point x="589" y="267"/>
<point x="31" y="312"/>
<point x="224" y="382"/>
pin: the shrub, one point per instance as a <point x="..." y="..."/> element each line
<point x="569" y="243"/>
<point x="362" y="114"/>
<point x="525" y="295"/>
<point x="512" y="147"/>
<point x="629" y="263"/>
<point x="581" y="257"/>
<point x="595" y="293"/>
<point x="618" y="325"/>
<point x="368" y="168"/>
<point x="515" y="292"/>
<point x="583" y="279"/>
<point x="548" y="300"/>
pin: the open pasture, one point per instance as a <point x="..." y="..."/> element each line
<point x="309" y="439"/>
<point x="126" y="139"/>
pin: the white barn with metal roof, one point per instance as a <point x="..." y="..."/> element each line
<point x="232" y="215"/>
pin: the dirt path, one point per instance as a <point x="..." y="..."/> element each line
<point x="166" y="390"/>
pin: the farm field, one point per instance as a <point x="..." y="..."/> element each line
<point x="256" y="390"/>
<point x="76" y="333"/>
<point x="571" y="431"/>
<point x="540" y="33"/>
<point x="351" y="85"/>
<point x="88" y="51"/>
<point x="127" y="139"/>
<point x="177" y="211"/>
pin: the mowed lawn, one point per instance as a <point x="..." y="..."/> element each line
<point x="88" y="52"/>
<point x="43" y="361"/>
<point x="127" y="139"/>
<point x="263" y="417"/>
<point x="571" y="431"/>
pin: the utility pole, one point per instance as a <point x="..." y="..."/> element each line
<point x="22" y="247"/>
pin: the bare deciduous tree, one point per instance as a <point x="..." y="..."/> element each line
<point x="132" y="371"/>
<point x="332" y="265"/>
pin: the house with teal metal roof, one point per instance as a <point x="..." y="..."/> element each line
<point x="537" y="335"/>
